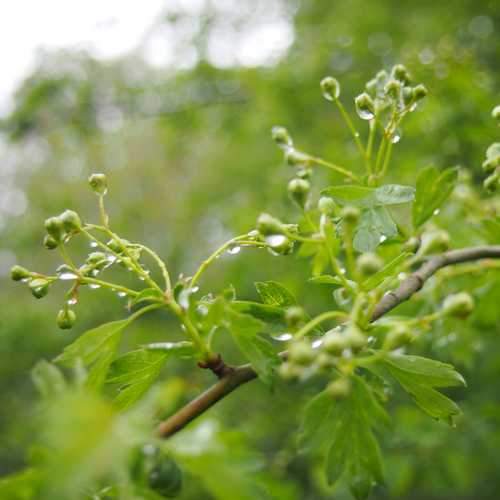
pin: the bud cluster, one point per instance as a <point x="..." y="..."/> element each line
<point x="491" y="166"/>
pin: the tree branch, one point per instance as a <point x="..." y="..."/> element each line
<point x="243" y="374"/>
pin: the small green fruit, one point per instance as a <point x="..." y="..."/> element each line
<point x="71" y="221"/>
<point x="66" y="318"/>
<point x="490" y="164"/>
<point x="339" y="389"/>
<point x="399" y="72"/>
<point x="350" y="215"/>
<point x="393" y="88"/>
<point x="99" y="183"/>
<point x="299" y="189"/>
<point x="326" y="205"/>
<point x="412" y="244"/>
<point x="296" y="158"/>
<point x="54" y="227"/>
<point x="165" y="478"/>
<point x="301" y="353"/>
<point x="330" y="88"/>
<point x="369" y="263"/>
<point x="50" y="243"/>
<point x="365" y="106"/>
<point x="355" y="338"/>
<point x="281" y="137"/>
<point x="289" y="371"/>
<point x="268" y="225"/>
<point x="493" y="150"/>
<point x="419" y="92"/>
<point x="324" y="361"/>
<point x="294" y="316"/>
<point x="19" y="273"/>
<point x="334" y="343"/>
<point x="39" y="287"/>
<point x="397" y="337"/>
<point x="491" y="183"/>
<point x="434" y="242"/>
<point x="496" y="113"/>
<point x="459" y="305"/>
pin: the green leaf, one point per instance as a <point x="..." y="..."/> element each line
<point x="433" y="188"/>
<point x="23" y="485"/>
<point x="181" y="349"/>
<point x="96" y="348"/>
<point x="48" y="379"/>
<point x="394" y="194"/>
<point x="245" y="331"/>
<point x="148" y="294"/>
<point x="419" y="376"/>
<point x="389" y="270"/>
<point x="275" y="294"/>
<point x="135" y="372"/>
<point x="326" y="279"/>
<point x="373" y="224"/>
<point x="260" y="311"/>
<point x="351" y="195"/>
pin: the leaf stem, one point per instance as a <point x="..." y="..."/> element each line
<point x="318" y="320"/>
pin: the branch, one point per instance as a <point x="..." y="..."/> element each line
<point x="243" y="374"/>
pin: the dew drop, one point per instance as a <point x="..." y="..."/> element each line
<point x="253" y="234"/>
<point x="396" y="136"/>
<point x="72" y="301"/>
<point x="234" y="250"/>
<point x="283" y="337"/>
<point x="94" y="272"/>
<point x="365" y="114"/>
<point x="121" y="294"/>
<point x="65" y="276"/>
<point x="93" y="244"/>
<point x="94" y="285"/>
<point x="401" y="276"/>
<point x="317" y="343"/>
<point x="195" y="289"/>
<point x="413" y="107"/>
<point x="382" y="238"/>
<point x="436" y="212"/>
<point x="142" y="278"/>
<point x="276" y="240"/>
<point x="111" y="258"/>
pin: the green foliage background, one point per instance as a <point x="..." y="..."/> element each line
<point x="192" y="163"/>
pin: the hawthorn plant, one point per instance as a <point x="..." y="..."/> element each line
<point x="373" y="244"/>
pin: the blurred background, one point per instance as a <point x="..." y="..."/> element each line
<point x="174" y="101"/>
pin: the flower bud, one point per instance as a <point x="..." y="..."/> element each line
<point x="369" y="263"/>
<point x="98" y="183"/>
<point x="294" y="316"/>
<point x="298" y="189"/>
<point x="350" y="215"/>
<point x="301" y="353"/>
<point x="397" y="337"/>
<point x="459" y="305"/>
<point x="495" y="113"/>
<point x="39" y="287"/>
<point x="491" y="183"/>
<point x="54" y="227"/>
<point x="355" y="338"/>
<point x="434" y="242"/>
<point x="66" y="318"/>
<point x="364" y="106"/>
<point x="71" y="221"/>
<point x="490" y="164"/>
<point x="295" y="158"/>
<point x="268" y="225"/>
<point x="289" y="371"/>
<point x="50" y="243"/>
<point x="339" y="389"/>
<point x="334" y="343"/>
<point x="330" y="88"/>
<point x="281" y="137"/>
<point x="279" y="244"/>
<point x="326" y="205"/>
<point x="419" y="92"/>
<point x="19" y="273"/>
<point x="407" y="95"/>
<point x="399" y="72"/>
<point x="324" y="361"/>
<point x="393" y="88"/>
<point x="493" y="150"/>
<point x="412" y="244"/>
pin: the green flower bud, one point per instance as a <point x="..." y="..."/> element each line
<point x="491" y="183"/>
<point x="434" y="242"/>
<point x="397" y="337"/>
<point x="334" y="343"/>
<point x="304" y="172"/>
<point x="369" y="263"/>
<point x="19" y="273"/>
<point x="459" y="305"/>
<point x="496" y="113"/>
<point x="165" y="478"/>
<point x="355" y="338"/>
<point x="364" y="106"/>
<point x="54" y="227"/>
<point x="493" y="150"/>
<point x="289" y="371"/>
<point x="298" y="189"/>
<point x="268" y="225"/>
<point x="66" y="318"/>
<point x="301" y="353"/>
<point x="490" y="164"/>
<point x="39" y="287"/>
<point x="295" y="158"/>
<point x="399" y="72"/>
<point x="50" y="243"/>
<point x="294" y="316"/>
<point x="330" y="88"/>
<point x="350" y="215"/>
<point x="324" y="361"/>
<point x="339" y="389"/>
<point x="71" y="221"/>
<point x="407" y="95"/>
<point x="419" y="92"/>
<point x="393" y="88"/>
<point x="411" y="245"/>
<point x="281" y="137"/>
<point x="326" y="205"/>
<point x="279" y="244"/>
<point x="99" y="183"/>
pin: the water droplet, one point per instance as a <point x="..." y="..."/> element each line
<point x="253" y="234"/>
<point x="276" y="240"/>
<point x="283" y="337"/>
<point x="72" y="301"/>
<point x="67" y="276"/>
<point x="396" y="136"/>
<point x="382" y="238"/>
<point x="317" y="343"/>
<point x="111" y="258"/>
<point x="94" y="272"/>
<point x="365" y="114"/>
<point x="194" y="289"/>
<point x="121" y="294"/>
<point x="436" y="212"/>
<point x="142" y="278"/>
<point x="93" y="244"/>
<point x="413" y="107"/>
<point x="234" y="250"/>
<point x="402" y="276"/>
<point x="94" y="285"/>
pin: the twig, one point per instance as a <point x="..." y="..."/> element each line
<point x="242" y="374"/>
